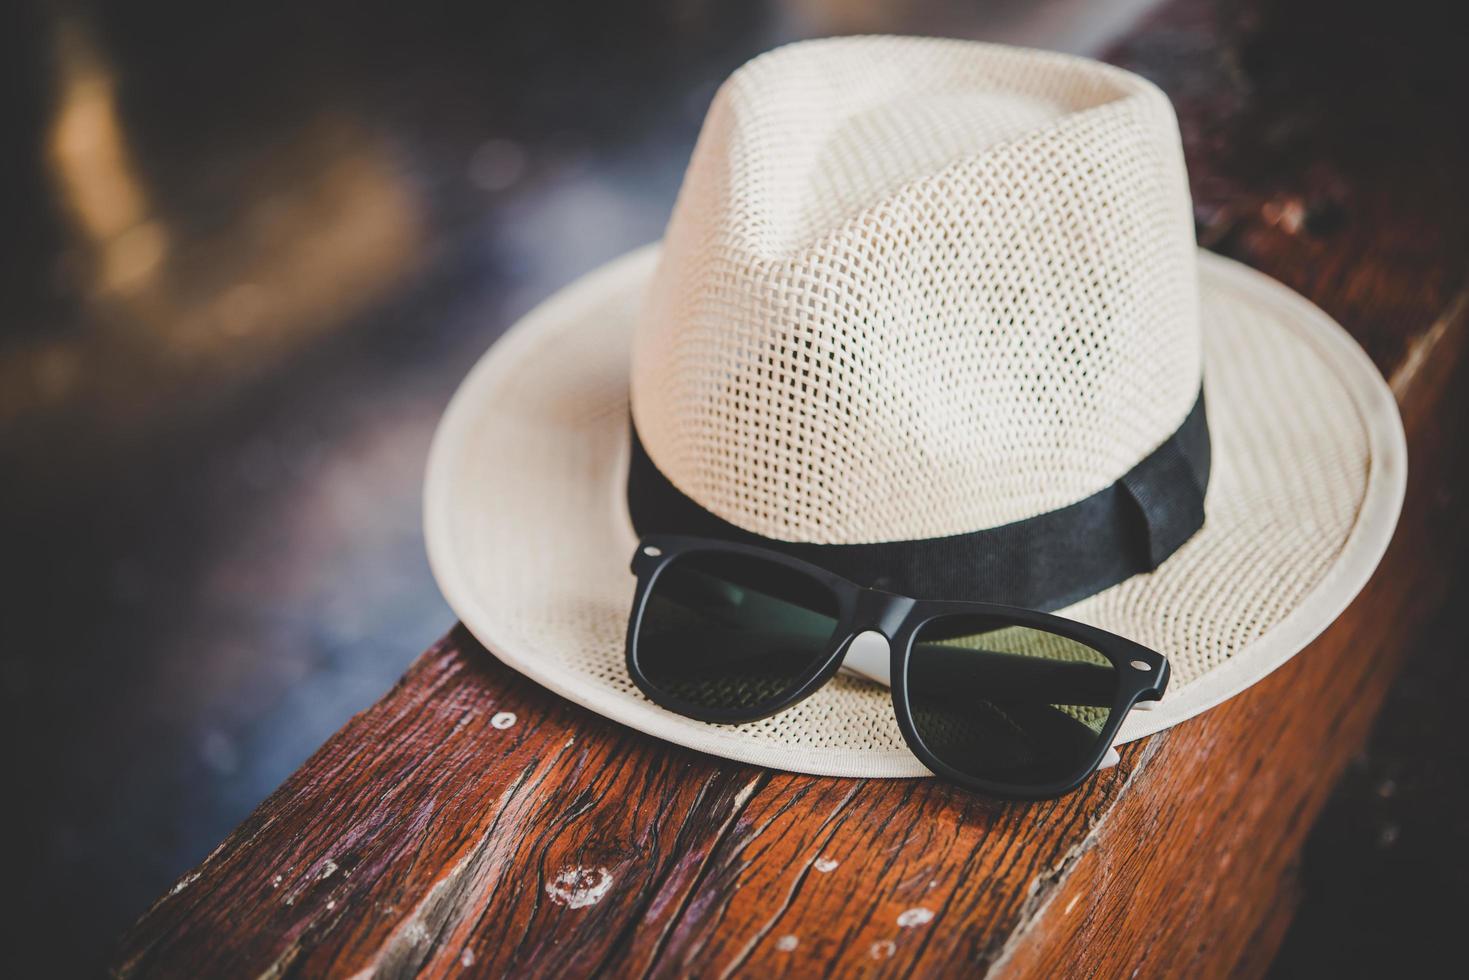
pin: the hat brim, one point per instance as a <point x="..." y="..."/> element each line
<point x="529" y="539"/>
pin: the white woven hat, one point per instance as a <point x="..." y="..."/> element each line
<point x="914" y="289"/>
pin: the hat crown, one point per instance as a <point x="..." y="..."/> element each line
<point x="914" y="288"/>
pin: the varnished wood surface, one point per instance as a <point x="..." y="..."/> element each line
<point x="436" y="834"/>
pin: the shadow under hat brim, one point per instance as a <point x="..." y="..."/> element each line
<point x="529" y="539"/>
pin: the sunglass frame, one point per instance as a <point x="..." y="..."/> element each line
<point x="1142" y="674"/>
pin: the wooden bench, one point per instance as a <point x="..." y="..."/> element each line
<point x="470" y="820"/>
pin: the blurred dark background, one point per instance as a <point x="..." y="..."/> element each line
<point x="248" y="252"/>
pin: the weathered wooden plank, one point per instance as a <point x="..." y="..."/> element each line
<point x="425" y="837"/>
<point x="468" y="816"/>
<point x="851" y="874"/>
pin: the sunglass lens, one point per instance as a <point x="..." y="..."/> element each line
<point x="1008" y="704"/>
<point x="732" y="636"/>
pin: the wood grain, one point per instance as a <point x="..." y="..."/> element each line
<point x="436" y="835"/>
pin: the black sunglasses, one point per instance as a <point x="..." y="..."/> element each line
<point x="1009" y="702"/>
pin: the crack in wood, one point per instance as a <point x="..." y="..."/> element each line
<point x="1046" y="887"/>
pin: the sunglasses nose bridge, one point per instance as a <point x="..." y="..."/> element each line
<point x="880" y="611"/>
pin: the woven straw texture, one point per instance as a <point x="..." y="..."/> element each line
<point x="913" y="288"/>
<point x="903" y="297"/>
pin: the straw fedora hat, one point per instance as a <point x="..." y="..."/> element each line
<point x="916" y="293"/>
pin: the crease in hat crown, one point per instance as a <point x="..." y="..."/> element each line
<point x="913" y="288"/>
